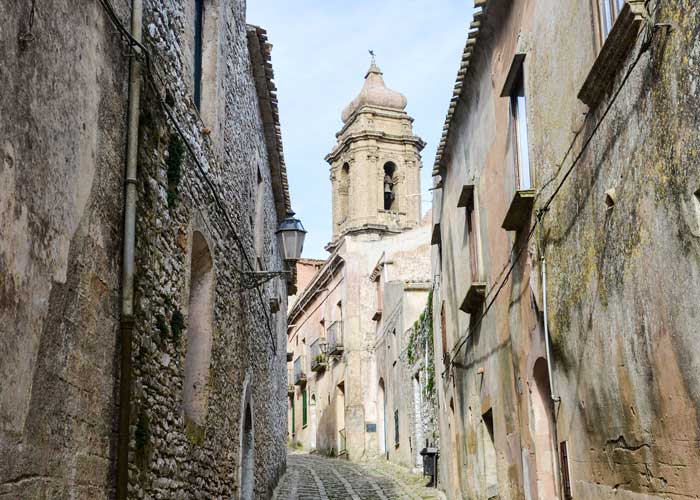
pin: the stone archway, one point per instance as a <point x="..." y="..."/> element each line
<point x="314" y="422"/>
<point x="246" y="462"/>
<point x="543" y="419"/>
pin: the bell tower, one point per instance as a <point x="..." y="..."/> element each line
<point x="375" y="166"/>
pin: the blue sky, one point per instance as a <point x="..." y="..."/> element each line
<point x="320" y="58"/>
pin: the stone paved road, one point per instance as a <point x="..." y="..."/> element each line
<point x="313" y="477"/>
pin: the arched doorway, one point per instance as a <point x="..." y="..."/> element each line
<point x="543" y="418"/>
<point x="340" y="419"/>
<point x="247" y="458"/>
<point x="314" y="424"/>
<point x="381" y="417"/>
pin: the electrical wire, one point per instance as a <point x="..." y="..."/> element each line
<point x="144" y="53"/>
<point x="649" y="32"/>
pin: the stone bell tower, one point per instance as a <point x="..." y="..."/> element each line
<point x="375" y="167"/>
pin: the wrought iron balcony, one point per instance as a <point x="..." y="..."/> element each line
<point x="299" y="371"/>
<point x="334" y="334"/>
<point x="318" y="355"/>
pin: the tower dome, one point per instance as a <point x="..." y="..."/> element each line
<point x="375" y="93"/>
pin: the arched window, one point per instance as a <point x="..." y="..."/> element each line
<point x="381" y="417"/>
<point x="247" y="456"/>
<point x="199" y="331"/>
<point x="205" y="52"/>
<point x="389" y="183"/>
<point x="344" y="192"/>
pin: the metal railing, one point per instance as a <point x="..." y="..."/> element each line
<point x="334" y="334"/>
<point x="299" y="371"/>
<point x="318" y="355"/>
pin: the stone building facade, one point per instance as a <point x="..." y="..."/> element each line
<point x="379" y="252"/>
<point x="198" y="367"/>
<point x="566" y="253"/>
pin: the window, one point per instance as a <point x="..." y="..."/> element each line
<point x="199" y="331"/>
<point x="389" y="183"/>
<point x="471" y="241"/>
<point x="259" y="229"/>
<point x="443" y="330"/>
<point x="518" y="111"/>
<point x="489" y="451"/>
<point x="204" y="58"/>
<point x="608" y="10"/>
<point x="396" y="427"/>
<point x="198" y="34"/>
<point x="344" y="193"/>
<point x="304" y="412"/>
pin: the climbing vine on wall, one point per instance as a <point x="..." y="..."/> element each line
<point x="421" y="338"/>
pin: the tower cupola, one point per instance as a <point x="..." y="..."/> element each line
<point x="375" y="166"/>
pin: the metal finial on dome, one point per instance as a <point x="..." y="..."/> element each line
<point x="375" y="93"/>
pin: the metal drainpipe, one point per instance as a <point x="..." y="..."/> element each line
<point x="127" y="310"/>
<point x="546" y="329"/>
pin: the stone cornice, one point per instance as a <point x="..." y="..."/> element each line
<point x="364" y="135"/>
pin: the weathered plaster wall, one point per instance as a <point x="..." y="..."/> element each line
<point x="622" y="281"/>
<point x="62" y="110"/>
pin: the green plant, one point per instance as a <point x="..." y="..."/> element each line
<point x="173" y="163"/>
<point x="177" y="325"/>
<point x="162" y="327"/>
<point x="142" y="434"/>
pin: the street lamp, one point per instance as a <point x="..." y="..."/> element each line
<point x="290" y="238"/>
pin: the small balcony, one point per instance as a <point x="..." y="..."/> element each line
<point x="318" y="355"/>
<point x="334" y="334"/>
<point x="299" y="371"/>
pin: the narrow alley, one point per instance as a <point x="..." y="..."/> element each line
<point x="316" y="477"/>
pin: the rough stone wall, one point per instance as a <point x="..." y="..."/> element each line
<point x="61" y="212"/>
<point x="622" y="281"/>
<point x="172" y="456"/>
<point x="62" y="123"/>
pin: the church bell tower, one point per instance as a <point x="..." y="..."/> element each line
<point x="375" y="166"/>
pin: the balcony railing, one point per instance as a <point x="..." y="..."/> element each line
<point x="299" y="371"/>
<point x="334" y="334"/>
<point x="318" y="356"/>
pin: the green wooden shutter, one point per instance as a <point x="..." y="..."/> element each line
<point x="303" y="414"/>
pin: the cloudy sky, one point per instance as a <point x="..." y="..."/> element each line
<point x="320" y="59"/>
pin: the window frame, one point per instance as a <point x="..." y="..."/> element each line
<point x="520" y="132"/>
<point x="608" y="11"/>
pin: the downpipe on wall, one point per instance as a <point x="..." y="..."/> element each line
<point x="128" y="263"/>
<point x="555" y="399"/>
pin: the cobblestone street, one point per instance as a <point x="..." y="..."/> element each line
<point x="311" y="477"/>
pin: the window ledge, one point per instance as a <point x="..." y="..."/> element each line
<point x="474" y="298"/>
<point x="618" y="43"/>
<point x="519" y="211"/>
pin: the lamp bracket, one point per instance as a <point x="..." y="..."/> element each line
<point x="253" y="279"/>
